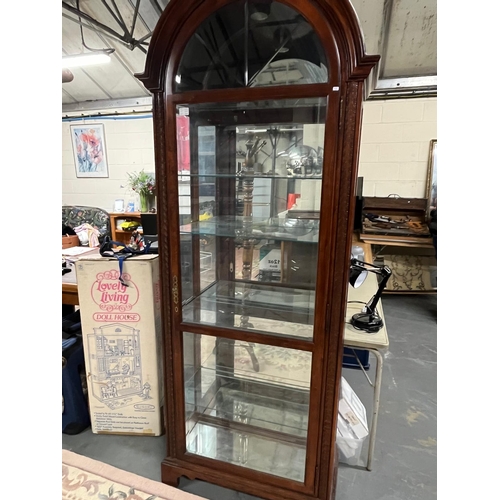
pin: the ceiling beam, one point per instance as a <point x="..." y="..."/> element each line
<point x="79" y="13"/>
<point x="106" y="104"/>
<point x="125" y="38"/>
<point x="156" y="7"/>
<point x="404" y="88"/>
<point x="99" y="31"/>
<point x="409" y="82"/>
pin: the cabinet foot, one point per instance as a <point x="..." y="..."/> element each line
<point x="170" y="475"/>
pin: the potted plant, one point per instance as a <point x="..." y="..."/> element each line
<point x="144" y="184"/>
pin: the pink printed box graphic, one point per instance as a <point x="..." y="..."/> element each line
<point x="113" y="298"/>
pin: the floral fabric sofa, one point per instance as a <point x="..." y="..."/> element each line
<point x="74" y="215"/>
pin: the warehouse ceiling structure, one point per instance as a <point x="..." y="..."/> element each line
<point x="402" y="32"/>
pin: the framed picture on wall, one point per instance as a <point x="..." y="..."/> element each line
<point x="432" y="178"/>
<point x="89" y="150"/>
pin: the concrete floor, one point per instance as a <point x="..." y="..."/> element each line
<point x="405" y="459"/>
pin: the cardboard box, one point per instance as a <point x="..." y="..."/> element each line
<point x="352" y="425"/>
<point x="70" y="241"/>
<point x="122" y="343"/>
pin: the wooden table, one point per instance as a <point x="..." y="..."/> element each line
<point x="395" y="241"/>
<point x="381" y="245"/>
<point x="70" y="289"/>
<point x="69" y="286"/>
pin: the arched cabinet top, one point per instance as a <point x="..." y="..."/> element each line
<point x="199" y="45"/>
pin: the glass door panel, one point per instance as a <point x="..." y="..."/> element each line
<point x="247" y="404"/>
<point x="249" y="221"/>
<point x="250" y="196"/>
<point x="250" y="43"/>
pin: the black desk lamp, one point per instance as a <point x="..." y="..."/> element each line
<point x="368" y="320"/>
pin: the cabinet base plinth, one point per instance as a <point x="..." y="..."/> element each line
<point x="173" y="469"/>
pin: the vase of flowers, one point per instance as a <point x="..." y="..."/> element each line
<point x="144" y="185"/>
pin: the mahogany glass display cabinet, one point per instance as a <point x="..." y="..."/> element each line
<point x="256" y="109"/>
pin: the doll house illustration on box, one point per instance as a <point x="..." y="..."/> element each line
<point x="116" y="369"/>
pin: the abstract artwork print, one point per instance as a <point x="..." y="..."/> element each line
<point x="89" y="150"/>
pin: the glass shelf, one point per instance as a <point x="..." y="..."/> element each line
<point x="262" y="453"/>
<point x="277" y="128"/>
<point x="282" y="366"/>
<point x="254" y="307"/>
<point x="255" y="410"/>
<point x="233" y="226"/>
<point x="244" y="175"/>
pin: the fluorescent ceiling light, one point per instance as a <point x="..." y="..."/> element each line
<point x="85" y="60"/>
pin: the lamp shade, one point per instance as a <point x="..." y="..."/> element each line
<point x="357" y="276"/>
<point x="358" y="272"/>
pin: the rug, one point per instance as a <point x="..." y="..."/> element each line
<point x="85" y="478"/>
<point x="410" y="273"/>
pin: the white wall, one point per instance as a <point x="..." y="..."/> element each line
<point x="129" y="148"/>
<point x="395" y="143"/>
